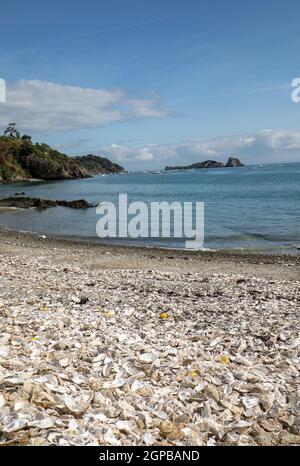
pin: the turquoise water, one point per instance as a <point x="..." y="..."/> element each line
<point x="249" y="207"/>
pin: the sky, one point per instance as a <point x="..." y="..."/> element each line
<point x="154" y="83"/>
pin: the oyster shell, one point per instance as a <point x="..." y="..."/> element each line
<point x="14" y="425"/>
<point x="148" y="358"/>
<point x="222" y="369"/>
<point x="78" y="402"/>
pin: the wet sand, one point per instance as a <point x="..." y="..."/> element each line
<point x="113" y="257"/>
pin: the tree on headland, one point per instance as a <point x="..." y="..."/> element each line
<point x="27" y="138"/>
<point x="12" y="131"/>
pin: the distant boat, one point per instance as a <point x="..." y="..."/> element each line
<point x="153" y="172"/>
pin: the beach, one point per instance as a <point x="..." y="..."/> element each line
<point x="149" y="228"/>
<point x="113" y="345"/>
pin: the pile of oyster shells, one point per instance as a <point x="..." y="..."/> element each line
<point x="146" y="357"/>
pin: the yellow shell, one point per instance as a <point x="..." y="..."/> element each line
<point x="224" y="359"/>
<point x="164" y="315"/>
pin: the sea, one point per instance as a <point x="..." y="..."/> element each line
<point x="254" y="208"/>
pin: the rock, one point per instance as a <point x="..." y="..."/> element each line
<point x="30" y="202"/>
<point x="234" y="162"/>
<point x="60" y="345"/>
<point x="198" y="165"/>
<point x="83" y="300"/>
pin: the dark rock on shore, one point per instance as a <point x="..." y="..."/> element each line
<point x="29" y="202"/>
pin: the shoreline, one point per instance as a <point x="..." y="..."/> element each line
<point x="292" y="250"/>
<point x="130" y="256"/>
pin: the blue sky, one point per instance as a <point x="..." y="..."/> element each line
<point x="151" y="83"/>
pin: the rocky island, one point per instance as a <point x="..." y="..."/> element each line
<point x="22" y="160"/>
<point x="232" y="162"/>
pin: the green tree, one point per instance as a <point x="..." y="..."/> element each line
<point x="25" y="137"/>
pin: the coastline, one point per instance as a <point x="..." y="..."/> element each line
<point x="126" y="256"/>
<point x="270" y="233"/>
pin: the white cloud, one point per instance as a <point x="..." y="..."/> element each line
<point x="264" y="146"/>
<point x="150" y="152"/>
<point x="42" y="106"/>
